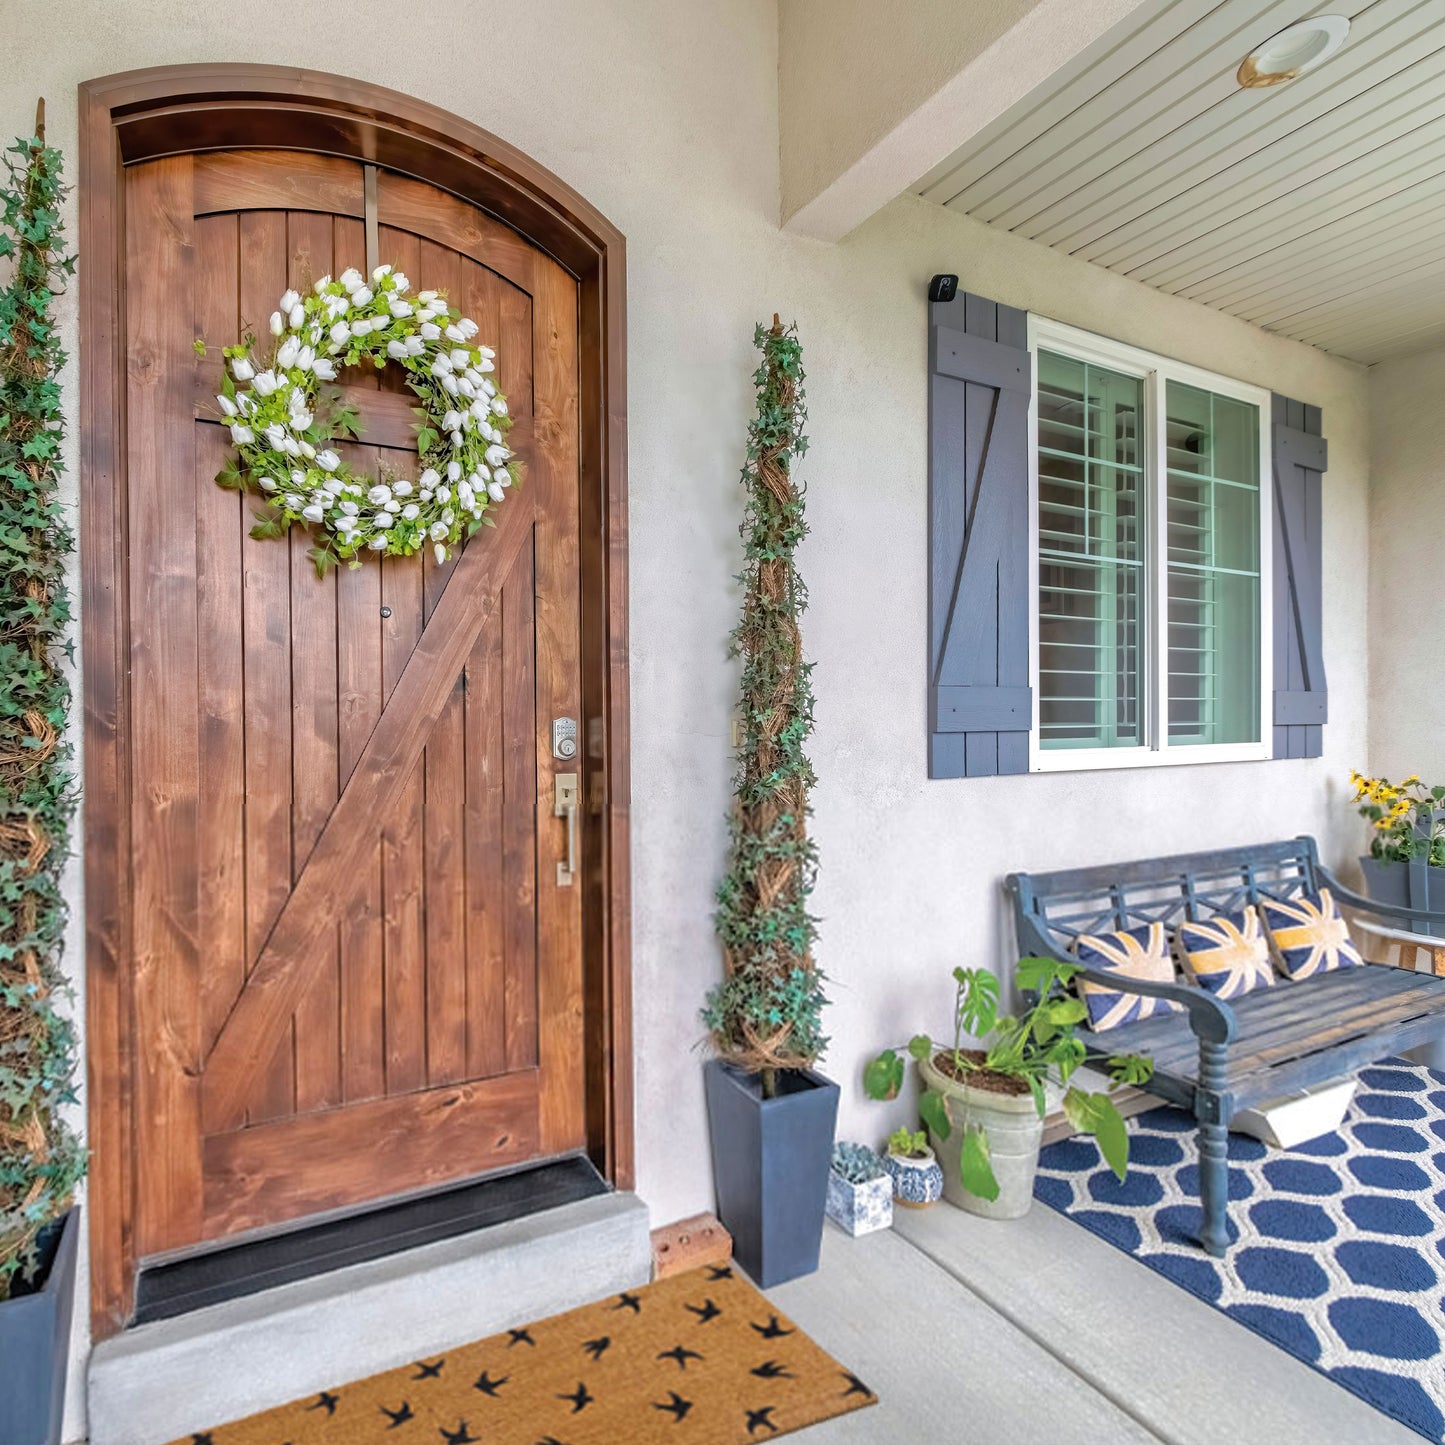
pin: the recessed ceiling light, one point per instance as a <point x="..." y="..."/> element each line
<point x="1296" y="49"/>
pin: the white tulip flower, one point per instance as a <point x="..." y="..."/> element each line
<point x="425" y="494"/>
<point x="314" y="513"/>
<point x="321" y="285"/>
<point x="456" y="438"/>
<point x="276" y="434"/>
<point x="444" y="495"/>
<point x="294" y="501"/>
<point x="227" y="405"/>
<point x="441" y="364"/>
<point x="440" y="553"/>
<point x="496" y="491"/>
<point x="242" y="369"/>
<point x="278" y="323"/>
<point x="297" y="316"/>
<point x="429" y="478"/>
<point x="468" y="327"/>
<point x="437" y="531"/>
<point x="486" y="388"/>
<point x="380" y="271"/>
<point x="324" y="368"/>
<point x="287" y="353"/>
<point x="400" y="308"/>
<point x="451" y="421"/>
<point x="382" y="519"/>
<point x="340" y="333"/>
<point x="496" y="454"/>
<point x="265" y="383"/>
<point x="449" y="517"/>
<point x="415" y="345"/>
<point x="328" y="461"/>
<point x="401" y="488"/>
<point x="363" y="296"/>
<point x="335" y="306"/>
<point x="453" y="332"/>
<point x="465" y="495"/>
<point x="499" y="405"/>
<point x="289" y="299"/>
<point x="291" y="447"/>
<point x="396" y="349"/>
<point x="400" y="282"/>
<point x="379" y="495"/>
<point x="242" y="435"/>
<point x="411" y="511"/>
<point x="430" y="331"/>
<point x="449" y="382"/>
<point x="465" y="387"/>
<point x="486" y="365"/>
<point x="454" y="470"/>
<point x="349" y="508"/>
<point x="362" y="327"/>
<point x="268" y="484"/>
<point x="351" y="278"/>
<point x="378" y="543"/>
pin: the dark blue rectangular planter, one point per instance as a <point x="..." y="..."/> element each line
<point x="35" y="1348"/>
<point x="770" y="1164"/>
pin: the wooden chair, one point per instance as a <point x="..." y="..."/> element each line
<point x="1217" y="1057"/>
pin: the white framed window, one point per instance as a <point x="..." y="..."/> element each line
<point x="1149" y="557"/>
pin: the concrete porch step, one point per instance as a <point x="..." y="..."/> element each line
<point x="167" y="1379"/>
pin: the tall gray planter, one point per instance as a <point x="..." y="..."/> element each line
<point x="1407" y="885"/>
<point x="35" y="1348"/>
<point x="770" y="1161"/>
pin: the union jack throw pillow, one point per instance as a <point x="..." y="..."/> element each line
<point x="1228" y="954"/>
<point x="1309" y="935"/>
<point x="1133" y="953"/>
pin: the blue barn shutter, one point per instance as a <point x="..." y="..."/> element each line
<point x="1300" y="697"/>
<point x="980" y="704"/>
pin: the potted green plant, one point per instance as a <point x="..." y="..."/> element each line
<point x="1407" y="842"/>
<point x="984" y="1106"/>
<point x="914" y="1168"/>
<point x="40" y="1158"/>
<point x="860" y="1190"/>
<point x="771" y="1114"/>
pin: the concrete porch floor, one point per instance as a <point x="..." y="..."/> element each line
<point x="1009" y="1333"/>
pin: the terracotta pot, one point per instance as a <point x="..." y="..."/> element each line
<point x="1014" y="1131"/>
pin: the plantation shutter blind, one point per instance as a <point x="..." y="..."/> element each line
<point x="980" y="703"/>
<point x="1300" y="696"/>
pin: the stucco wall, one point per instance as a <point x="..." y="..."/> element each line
<point x="1407" y="532"/>
<point x="666" y="117"/>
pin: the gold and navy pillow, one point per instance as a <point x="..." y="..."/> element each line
<point x="1228" y="954"/>
<point x="1133" y="953"/>
<point x="1308" y="934"/>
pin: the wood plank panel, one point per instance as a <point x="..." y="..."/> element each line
<point x="277" y="181"/>
<point x="305" y="1165"/>
<point x="221" y="839"/>
<point x="165" y="759"/>
<point x="445" y="789"/>
<point x="266" y="646"/>
<point x="555" y="467"/>
<point x="314" y="727"/>
<point x="359" y="690"/>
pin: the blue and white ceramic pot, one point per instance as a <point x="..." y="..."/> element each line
<point x="917" y="1178"/>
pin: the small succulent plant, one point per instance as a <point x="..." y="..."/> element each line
<point x="908" y="1143"/>
<point x="857" y="1163"/>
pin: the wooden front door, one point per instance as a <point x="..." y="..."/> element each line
<point x="354" y="971"/>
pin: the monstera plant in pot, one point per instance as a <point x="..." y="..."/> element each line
<point x="984" y="1106"/>
<point x="40" y="1160"/>
<point x="771" y="1114"/>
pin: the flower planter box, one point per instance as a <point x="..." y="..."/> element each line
<point x="770" y="1160"/>
<point x="35" y="1347"/>
<point x="860" y="1208"/>
<point x="1407" y="885"/>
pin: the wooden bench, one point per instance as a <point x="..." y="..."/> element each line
<point x="1217" y="1057"/>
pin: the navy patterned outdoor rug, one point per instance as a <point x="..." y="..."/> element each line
<point x="1340" y="1243"/>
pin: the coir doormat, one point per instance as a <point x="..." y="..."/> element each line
<point x="1339" y="1244"/>
<point x="699" y="1359"/>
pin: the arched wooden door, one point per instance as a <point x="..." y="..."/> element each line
<point x="356" y="972"/>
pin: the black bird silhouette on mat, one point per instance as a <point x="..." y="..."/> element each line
<point x="772" y="1370"/>
<point x="428" y="1372"/>
<point x="626" y="1301"/>
<point x="773" y="1330"/>
<point x="757" y="1419"/>
<point x="487" y="1385"/>
<point x="326" y="1401"/>
<point x="855" y="1385"/>
<point x="397" y="1417"/>
<point x="550" y="1440"/>
<point x="460" y="1436"/>
<point x="598" y="1347"/>
<point x="520" y="1337"/>
<point x="676" y="1406"/>
<point x="580" y="1398"/>
<point x="203" y="1438"/>
<point x="719" y="1271"/>
<point x="706" y="1311"/>
<point x="681" y="1354"/>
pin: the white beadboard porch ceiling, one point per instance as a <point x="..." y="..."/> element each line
<point x="1315" y="209"/>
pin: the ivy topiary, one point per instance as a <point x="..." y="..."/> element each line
<point x="766" y="1014"/>
<point x="40" y="1158"/>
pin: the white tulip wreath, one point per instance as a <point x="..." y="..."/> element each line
<point x="283" y="427"/>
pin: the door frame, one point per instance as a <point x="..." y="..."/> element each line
<point x="142" y="115"/>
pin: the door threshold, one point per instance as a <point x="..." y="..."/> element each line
<point x="177" y="1285"/>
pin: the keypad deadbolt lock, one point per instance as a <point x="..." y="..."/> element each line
<point x="564" y="738"/>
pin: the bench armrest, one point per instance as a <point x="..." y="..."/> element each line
<point x="1210" y="1018"/>
<point x="1381" y="909"/>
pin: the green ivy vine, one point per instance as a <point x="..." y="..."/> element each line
<point x="41" y="1160"/>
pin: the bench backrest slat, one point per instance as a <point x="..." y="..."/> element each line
<point x="1062" y="905"/>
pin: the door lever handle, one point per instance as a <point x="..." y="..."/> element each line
<point x="566" y="807"/>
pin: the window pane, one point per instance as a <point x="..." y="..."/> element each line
<point x="1090" y="555"/>
<point x="1212" y="504"/>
